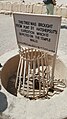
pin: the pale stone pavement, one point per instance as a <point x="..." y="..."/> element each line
<point x="7" y="34"/>
<point x="22" y="108"/>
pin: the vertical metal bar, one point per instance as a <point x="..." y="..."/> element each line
<point x="24" y="75"/>
<point x="31" y="53"/>
<point x="47" y="70"/>
<point x="24" y="71"/>
<point x="31" y="60"/>
<point x="20" y="73"/>
<point x="28" y="53"/>
<point x="53" y="68"/>
<point x="42" y="63"/>
<point x="39" y="76"/>
<point x="35" y="53"/>
<point x="28" y="79"/>
<point x="34" y="78"/>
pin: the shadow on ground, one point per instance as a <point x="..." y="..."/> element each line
<point x="3" y="102"/>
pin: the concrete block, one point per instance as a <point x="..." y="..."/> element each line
<point x="23" y="8"/>
<point x="37" y="9"/>
<point x="4" y="5"/>
<point x="8" y="6"/>
<point x="57" y="10"/>
<point x="44" y="11"/>
<point x="1" y="5"/>
<point x="16" y="7"/>
<point x="29" y="8"/>
<point x="64" y="12"/>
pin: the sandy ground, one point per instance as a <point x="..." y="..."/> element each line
<point x="21" y="108"/>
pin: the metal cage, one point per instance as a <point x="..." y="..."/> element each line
<point x="34" y="73"/>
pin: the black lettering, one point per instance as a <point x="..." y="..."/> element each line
<point x="20" y="21"/>
<point x="26" y="27"/>
<point x="46" y="39"/>
<point x="19" y="25"/>
<point x="41" y="34"/>
<point x="34" y="40"/>
<point x="45" y="25"/>
<point x="37" y="37"/>
<point x="27" y="31"/>
<point x="26" y="35"/>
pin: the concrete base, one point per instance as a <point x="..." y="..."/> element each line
<point x="19" y="107"/>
